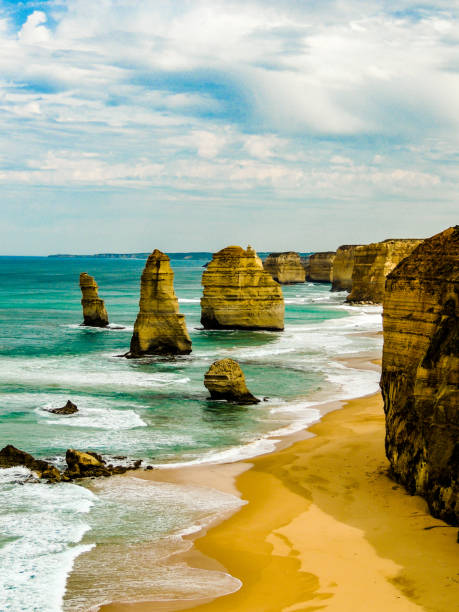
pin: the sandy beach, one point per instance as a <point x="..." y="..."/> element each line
<point x="324" y="528"/>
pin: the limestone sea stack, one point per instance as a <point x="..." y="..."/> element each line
<point x="159" y="328"/>
<point x="372" y="263"/>
<point x="343" y="266"/>
<point x="94" y="312"/>
<point x="285" y="268"/>
<point x="225" y="380"/>
<point x="320" y="267"/>
<point x="420" y="373"/>
<point x="239" y="293"/>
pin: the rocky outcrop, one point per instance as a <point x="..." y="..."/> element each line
<point x="159" y="328"/>
<point x="11" y="456"/>
<point x="225" y="381"/>
<point x="94" y="312"/>
<point x="372" y="263"/>
<point x="285" y="268"/>
<point x="239" y="293"/>
<point x="69" y="408"/>
<point x="88" y="464"/>
<point x="343" y="266"/>
<point x="320" y="267"/>
<point x="420" y="373"/>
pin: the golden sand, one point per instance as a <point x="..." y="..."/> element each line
<point x="326" y="529"/>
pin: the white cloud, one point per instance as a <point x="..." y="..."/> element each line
<point x="33" y="32"/>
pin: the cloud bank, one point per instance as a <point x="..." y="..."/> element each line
<point x="299" y="115"/>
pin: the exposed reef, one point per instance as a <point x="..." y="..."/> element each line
<point x="343" y="266"/>
<point x="320" y="267"/>
<point x="94" y="312"/>
<point x="159" y="328"/>
<point x="285" y="268"/>
<point x="420" y="373"/>
<point x="225" y="380"/>
<point x="239" y="293"/>
<point x="11" y="456"/>
<point x="372" y="263"/>
<point x="69" y="408"/>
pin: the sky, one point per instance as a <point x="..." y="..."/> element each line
<point x="129" y="125"/>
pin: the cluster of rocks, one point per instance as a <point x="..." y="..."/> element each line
<point x="79" y="465"/>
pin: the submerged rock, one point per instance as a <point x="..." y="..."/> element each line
<point x="11" y="456"/>
<point x="225" y="380"/>
<point x="420" y="372"/>
<point x="372" y="263"/>
<point x="239" y="293"/>
<point x="343" y="267"/>
<point x="159" y="328"/>
<point x="94" y="312"/>
<point x="320" y="267"/>
<point x="69" y="408"/>
<point x="285" y="268"/>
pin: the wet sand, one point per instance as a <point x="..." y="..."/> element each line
<point x="324" y="529"/>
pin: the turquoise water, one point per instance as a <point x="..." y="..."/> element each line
<point x="154" y="409"/>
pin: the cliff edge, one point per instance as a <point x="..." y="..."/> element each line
<point x="372" y="263"/>
<point x="420" y="373"/>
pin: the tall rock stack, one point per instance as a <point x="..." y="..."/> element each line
<point x="420" y="373"/>
<point x="239" y="294"/>
<point x="320" y="267"/>
<point x="343" y="266"/>
<point x="285" y="268"/>
<point x="159" y="328"/>
<point x="372" y="263"/>
<point x="94" y="312"/>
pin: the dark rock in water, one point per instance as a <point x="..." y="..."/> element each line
<point x="91" y="465"/>
<point x="225" y="380"/>
<point x="11" y="456"/>
<point x="69" y="408"/>
<point x="84" y="464"/>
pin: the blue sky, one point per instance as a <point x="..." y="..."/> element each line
<point x="127" y="125"/>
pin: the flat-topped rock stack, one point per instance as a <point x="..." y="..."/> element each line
<point x="94" y="312"/>
<point x="159" y="328"/>
<point x="372" y="263"/>
<point x="420" y="372"/>
<point x="285" y="268"/>
<point x="320" y="267"/>
<point x="226" y="381"/>
<point x="343" y="267"/>
<point x="239" y="293"/>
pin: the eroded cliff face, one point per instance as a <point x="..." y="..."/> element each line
<point x="94" y="312"/>
<point x="159" y="328"/>
<point x="320" y="267"/>
<point x="372" y="263"/>
<point x="420" y="373"/>
<point x="239" y="293"/>
<point x="285" y="268"/>
<point x="343" y="266"/>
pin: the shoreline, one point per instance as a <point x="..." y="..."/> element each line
<point x="324" y="527"/>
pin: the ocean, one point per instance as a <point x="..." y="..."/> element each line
<point x="155" y="409"/>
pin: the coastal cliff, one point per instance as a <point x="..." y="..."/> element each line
<point x="420" y="373"/>
<point x="343" y="266"/>
<point x="159" y="328"/>
<point x="285" y="268"/>
<point x="239" y="293"/>
<point x="94" y="312"/>
<point x="372" y="263"/>
<point x="320" y="267"/>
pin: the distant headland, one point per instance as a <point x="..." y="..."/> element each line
<point x="188" y="255"/>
